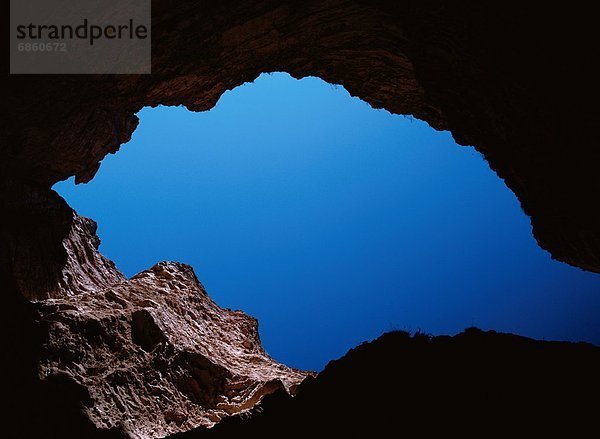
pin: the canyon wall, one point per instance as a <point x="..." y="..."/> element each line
<point x="142" y="357"/>
<point x="518" y="82"/>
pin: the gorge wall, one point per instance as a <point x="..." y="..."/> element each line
<point x="142" y="357"/>
<point x="518" y="82"/>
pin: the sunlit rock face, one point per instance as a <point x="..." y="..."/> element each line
<point x="155" y="355"/>
<point x="94" y="354"/>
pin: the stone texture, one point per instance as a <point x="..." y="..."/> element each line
<point x="155" y="355"/>
<point x="50" y="250"/>
<point x="97" y="355"/>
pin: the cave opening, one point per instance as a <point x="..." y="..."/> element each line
<point x="330" y="222"/>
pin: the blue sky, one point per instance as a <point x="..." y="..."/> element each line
<point x="331" y="222"/>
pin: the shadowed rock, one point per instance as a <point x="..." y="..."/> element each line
<point x="517" y="81"/>
<point x="475" y="384"/>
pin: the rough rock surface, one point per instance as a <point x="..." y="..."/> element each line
<point x="155" y="355"/>
<point x="50" y="251"/>
<point x="94" y="354"/>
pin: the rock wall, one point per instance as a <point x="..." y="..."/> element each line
<point x="516" y="81"/>
<point x="155" y="355"/>
<point x="93" y="354"/>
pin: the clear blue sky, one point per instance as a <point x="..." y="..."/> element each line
<point x="331" y="222"/>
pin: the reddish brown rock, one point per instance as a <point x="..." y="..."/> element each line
<point x="154" y="354"/>
<point x="94" y="354"/>
<point x="49" y="250"/>
<point x="98" y="355"/>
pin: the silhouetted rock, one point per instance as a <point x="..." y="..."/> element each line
<point x="516" y="80"/>
<point x="475" y="384"/>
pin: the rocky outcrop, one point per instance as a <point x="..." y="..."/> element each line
<point x="93" y="354"/>
<point x="155" y="355"/>
<point x="475" y="384"/>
